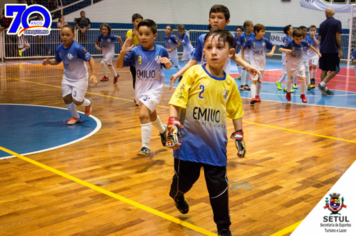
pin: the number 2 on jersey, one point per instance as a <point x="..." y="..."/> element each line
<point x="202" y="91"/>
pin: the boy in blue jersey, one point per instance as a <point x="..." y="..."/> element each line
<point x="248" y="26"/>
<point x="75" y="78"/>
<point x="257" y="48"/>
<point x="312" y="56"/>
<point x="288" y="30"/>
<point x="209" y="96"/>
<point x="172" y="43"/>
<point x="107" y="41"/>
<point x="219" y="17"/>
<point x="187" y="45"/>
<point x="294" y="62"/>
<point x="149" y="60"/>
<point x="239" y="31"/>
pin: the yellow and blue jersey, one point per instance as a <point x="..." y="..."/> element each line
<point x="208" y="101"/>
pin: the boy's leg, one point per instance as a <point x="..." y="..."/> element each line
<point x="78" y="96"/>
<point x="105" y="71"/>
<point x="243" y="75"/>
<point x="72" y="108"/>
<point x="247" y="76"/>
<point x="156" y="122"/>
<point x="239" y="69"/>
<point x="259" y="84"/>
<point x="302" y="88"/>
<point x="217" y="183"/>
<point x="146" y="126"/>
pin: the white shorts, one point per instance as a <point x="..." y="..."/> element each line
<point x="314" y="60"/>
<point x="77" y="89"/>
<point x="108" y="58"/>
<point x="258" y="77"/>
<point x="150" y="101"/>
<point x="174" y="61"/>
<point x="186" y="56"/>
<point x="306" y="66"/>
<point x="284" y="71"/>
<point x="291" y="74"/>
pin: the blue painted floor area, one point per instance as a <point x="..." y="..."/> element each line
<point x="26" y="129"/>
<point x="269" y="91"/>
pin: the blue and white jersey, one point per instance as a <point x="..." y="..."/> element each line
<point x="305" y="52"/>
<point x="286" y="40"/>
<point x="294" y="60"/>
<point x="198" y="54"/>
<point x="187" y="45"/>
<point x="257" y="50"/>
<point x="243" y="40"/>
<point x="107" y="43"/>
<point x="73" y="58"/>
<point x="238" y="44"/>
<point x="149" y="69"/>
<point x="170" y="43"/>
<point x="311" y="41"/>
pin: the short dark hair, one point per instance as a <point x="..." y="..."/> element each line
<point x="239" y="27"/>
<point x="286" y="28"/>
<point x="223" y="35"/>
<point x="150" y="24"/>
<point x="107" y="26"/>
<point x="312" y="26"/>
<point x="258" y="28"/>
<point x="81" y="12"/>
<point x="181" y="27"/>
<point x="297" y="33"/>
<point x="170" y="27"/>
<point x="136" y="16"/>
<point x="220" y="8"/>
<point x="70" y="27"/>
<point x="247" y="23"/>
<point x="302" y="27"/>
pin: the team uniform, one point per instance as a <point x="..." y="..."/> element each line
<point x="150" y="75"/>
<point x="198" y="54"/>
<point x="208" y="102"/>
<point x="294" y="61"/>
<point x="286" y="40"/>
<point x="170" y="43"/>
<point x="75" y="78"/>
<point x="238" y="44"/>
<point x="108" y="47"/>
<point x="313" y="57"/>
<point x="243" y="40"/>
<point x="187" y="47"/>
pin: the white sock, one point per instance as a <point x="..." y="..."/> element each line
<point x="307" y="75"/>
<point x="289" y="84"/>
<point x="313" y="74"/>
<point x="323" y="84"/>
<point x="113" y="71"/>
<point x="103" y="66"/>
<point x="243" y="77"/>
<point x="158" y="125"/>
<point x="259" y="86"/>
<point x="253" y="90"/>
<point x="295" y="80"/>
<point x="239" y="69"/>
<point x="72" y="108"/>
<point x="86" y="102"/>
<point x="282" y="79"/>
<point x="302" y="86"/>
<point x="146" y="130"/>
<point x="247" y="76"/>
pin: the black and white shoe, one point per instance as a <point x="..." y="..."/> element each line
<point x="144" y="152"/>
<point x="224" y="232"/>
<point x="164" y="136"/>
<point x="328" y="92"/>
<point x="182" y="204"/>
<point x="322" y="90"/>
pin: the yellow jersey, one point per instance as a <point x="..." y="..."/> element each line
<point x="208" y="101"/>
<point x="135" y="40"/>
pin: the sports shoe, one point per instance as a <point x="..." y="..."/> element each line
<point x="104" y="79"/>
<point x="279" y="85"/>
<point x="312" y="81"/>
<point x="295" y="86"/>
<point x="253" y="101"/>
<point x="322" y="90"/>
<point x="258" y="99"/>
<point x="164" y="136"/>
<point x="288" y="96"/>
<point x="304" y="99"/>
<point x="89" y="108"/>
<point x="285" y="90"/>
<point x="242" y="88"/>
<point x="144" y="152"/>
<point x="74" y="120"/>
<point x="115" y="78"/>
<point x="238" y="78"/>
<point x="20" y="53"/>
<point x="310" y="87"/>
<point x="246" y="87"/>
<point x="182" y="204"/>
<point x="224" y="232"/>
<point x="329" y="92"/>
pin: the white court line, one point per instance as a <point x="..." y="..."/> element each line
<point x="98" y="126"/>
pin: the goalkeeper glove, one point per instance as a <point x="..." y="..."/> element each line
<point x="240" y="144"/>
<point x="174" y="132"/>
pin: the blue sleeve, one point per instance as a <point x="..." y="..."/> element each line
<point x="269" y="45"/>
<point x="129" y="59"/>
<point x="338" y="27"/>
<point x="286" y="44"/>
<point x="174" y="39"/>
<point x="113" y="37"/>
<point x="354" y="55"/>
<point x="242" y="40"/>
<point x="185" y="40"/>
<point x="198" y="50"/>
<point x="83" y="53"/>
<point x="306" y="44"/>
<point x="247" y="45"/>
<point x="164" y="53"/>
<point x="57" y="57"/>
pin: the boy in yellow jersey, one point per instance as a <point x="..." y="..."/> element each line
<point x="136" y="19"/>
<point x="209" y="96"/>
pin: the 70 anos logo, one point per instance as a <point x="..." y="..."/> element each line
<point x="21" y="14"/>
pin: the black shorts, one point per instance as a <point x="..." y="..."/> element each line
<point x="329" y="62"/>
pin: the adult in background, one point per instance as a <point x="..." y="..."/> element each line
<point x="330" y="48"/>
<point x="83" y="24"/>
<point x="60" y="24"/>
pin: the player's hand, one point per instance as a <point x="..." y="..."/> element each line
<point x="127" y="45"/>
<point x="270" y="54"/>
<point x="173" y="80"/>
<point x="165" y="61"/>
<point x="174" y="135"/>
<point x="320" y="54"/>
<point x="288" y="51"/>
<point x="94" y="79"/>
<point x="253" y="71"/>
<point x="169" y="50"/>
<point x="239" y="143"/>
<point x="45" y="62"/>
<point x="340" y="53"/>
<point x="97" y="47"/>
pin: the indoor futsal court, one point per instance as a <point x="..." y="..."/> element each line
<point x="87" y="178"/>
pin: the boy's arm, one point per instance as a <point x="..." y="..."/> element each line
<point x="93" y="72"/>
<point x="239" y="61"/>
<point x="167" y="63"/>
<point x="313" y="48"/>
<point x="272" y="51"/>
<point x="174" y="77"/>
<point x="97" y="45"/>
<point x="120" y="40"/>
<point x="316" y="41"/>
<point x="175" y="47"/>
<point x="125" y="49"/>
<point x="51" y="62"/>
<point x="288" y="51"/>
<point x="178" y="39"/>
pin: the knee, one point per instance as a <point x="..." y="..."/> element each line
<point x="144" y="117"/>
<point x="77" y="102"/>
<point x="102" y="63"/>
<point x="67" y="99"/>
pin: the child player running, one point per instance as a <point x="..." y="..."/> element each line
<point x="248" y="25"/>
<point x="209" y="96"/>
<point x="149" y="60"/>
<point x="107" y="41"/>
<point x="239" y="31"/>
<point x="75" y="78"/>
<point x="312" y="56"/>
